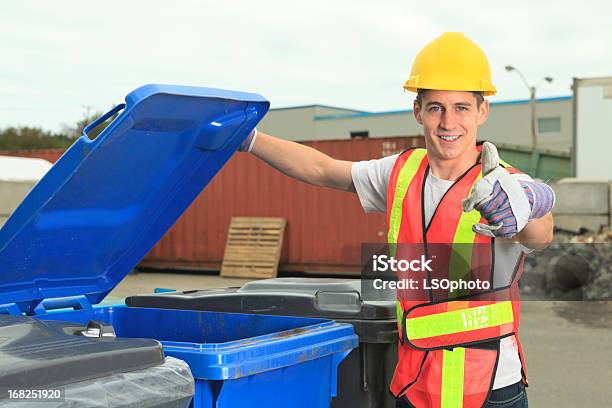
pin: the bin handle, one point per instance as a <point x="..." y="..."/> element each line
<point x="102" y="118"/>
<point x="97" y="329"/>
<point x="350" y="294"/>
<point x="72" y="302"/>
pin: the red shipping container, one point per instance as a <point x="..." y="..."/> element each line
<point x="325" y="227"/>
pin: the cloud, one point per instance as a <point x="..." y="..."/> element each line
<point x="61" y="56"/>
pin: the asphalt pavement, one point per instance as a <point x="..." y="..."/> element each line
<point x="568" y="345"/>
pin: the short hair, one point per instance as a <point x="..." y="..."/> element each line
<point x="419" y="97"/>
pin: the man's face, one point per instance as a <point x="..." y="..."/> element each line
<point x="450" y="120"/>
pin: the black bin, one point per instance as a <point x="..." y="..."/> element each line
<point x="364" y="376"/>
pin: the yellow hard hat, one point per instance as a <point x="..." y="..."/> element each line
<point x="451" y="62"/>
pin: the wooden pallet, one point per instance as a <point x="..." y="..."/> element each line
<point x="253" y="247"/>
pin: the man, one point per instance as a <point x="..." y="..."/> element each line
<point x="453" y="192"/>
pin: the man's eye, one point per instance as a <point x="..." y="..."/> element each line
<point x="462" y="108"/>
<point x="434" y="109"/>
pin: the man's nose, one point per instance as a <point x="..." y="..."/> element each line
<point x="448" y="120"/>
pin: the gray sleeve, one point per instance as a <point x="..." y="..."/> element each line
<point x="371" y="178"/>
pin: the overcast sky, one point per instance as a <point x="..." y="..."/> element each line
<point x="59" y="57"/>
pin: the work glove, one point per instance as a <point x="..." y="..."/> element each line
<point x="247" y="144"/>
<point x="507" y="203"/>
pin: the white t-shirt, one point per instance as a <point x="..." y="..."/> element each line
<point x="371" y="178"/>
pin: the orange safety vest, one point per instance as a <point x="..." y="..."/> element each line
<point x="449" y="344"/>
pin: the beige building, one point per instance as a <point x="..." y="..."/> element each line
<point x="509" y="123"/>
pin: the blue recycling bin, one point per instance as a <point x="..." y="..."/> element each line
<point x="108" y="200"/>
<point x="239" y="359"/>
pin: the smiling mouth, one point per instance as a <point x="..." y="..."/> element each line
<point x="449" y="139"/>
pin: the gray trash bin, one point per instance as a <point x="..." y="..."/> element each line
<point x="364" y="376"/>
<point x="57" y="365"/>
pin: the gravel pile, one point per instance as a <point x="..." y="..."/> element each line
<point x="574" y="267"/>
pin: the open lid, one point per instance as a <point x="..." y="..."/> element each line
<point x="107" y="201"/>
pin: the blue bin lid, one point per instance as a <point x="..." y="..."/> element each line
<point x="107" y="201"/>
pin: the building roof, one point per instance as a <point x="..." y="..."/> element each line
<point x="360" y="114"/>
<point x="317" y="106"/>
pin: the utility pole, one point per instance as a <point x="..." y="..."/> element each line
<point x="532" y="100"/>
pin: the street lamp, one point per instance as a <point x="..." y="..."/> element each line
<point x="532" y="97"/>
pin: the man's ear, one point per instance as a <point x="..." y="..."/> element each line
<point x="416" y="110"/>
<point x="483" y="112"/>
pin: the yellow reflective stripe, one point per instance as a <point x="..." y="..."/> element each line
<point x="459" y="321"/>
<point x="399" y="313"/>
<point x="406" y="174"/>
<point x="404" y="178"/>
<point x="464" y="233"/>
<point x="505" y="164"/>
<point x="453" y="362"/>
<point x="460" y="263"/>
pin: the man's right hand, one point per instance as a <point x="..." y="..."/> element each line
<point x="505" y="202"/>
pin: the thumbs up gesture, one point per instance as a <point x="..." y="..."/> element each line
<point x="499" y="197"/>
